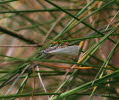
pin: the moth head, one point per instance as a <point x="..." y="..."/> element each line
<point x="47" y="50"/>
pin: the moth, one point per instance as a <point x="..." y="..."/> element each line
<point x="62" y="50"/>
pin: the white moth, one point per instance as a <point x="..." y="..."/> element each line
<point x="66" y="51"/>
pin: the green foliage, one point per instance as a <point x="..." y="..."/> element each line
<point x="28" y="27"/>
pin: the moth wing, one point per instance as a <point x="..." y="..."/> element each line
<point x="69" y="50"/>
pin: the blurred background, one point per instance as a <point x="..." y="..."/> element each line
<point x="30" y="26"/>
